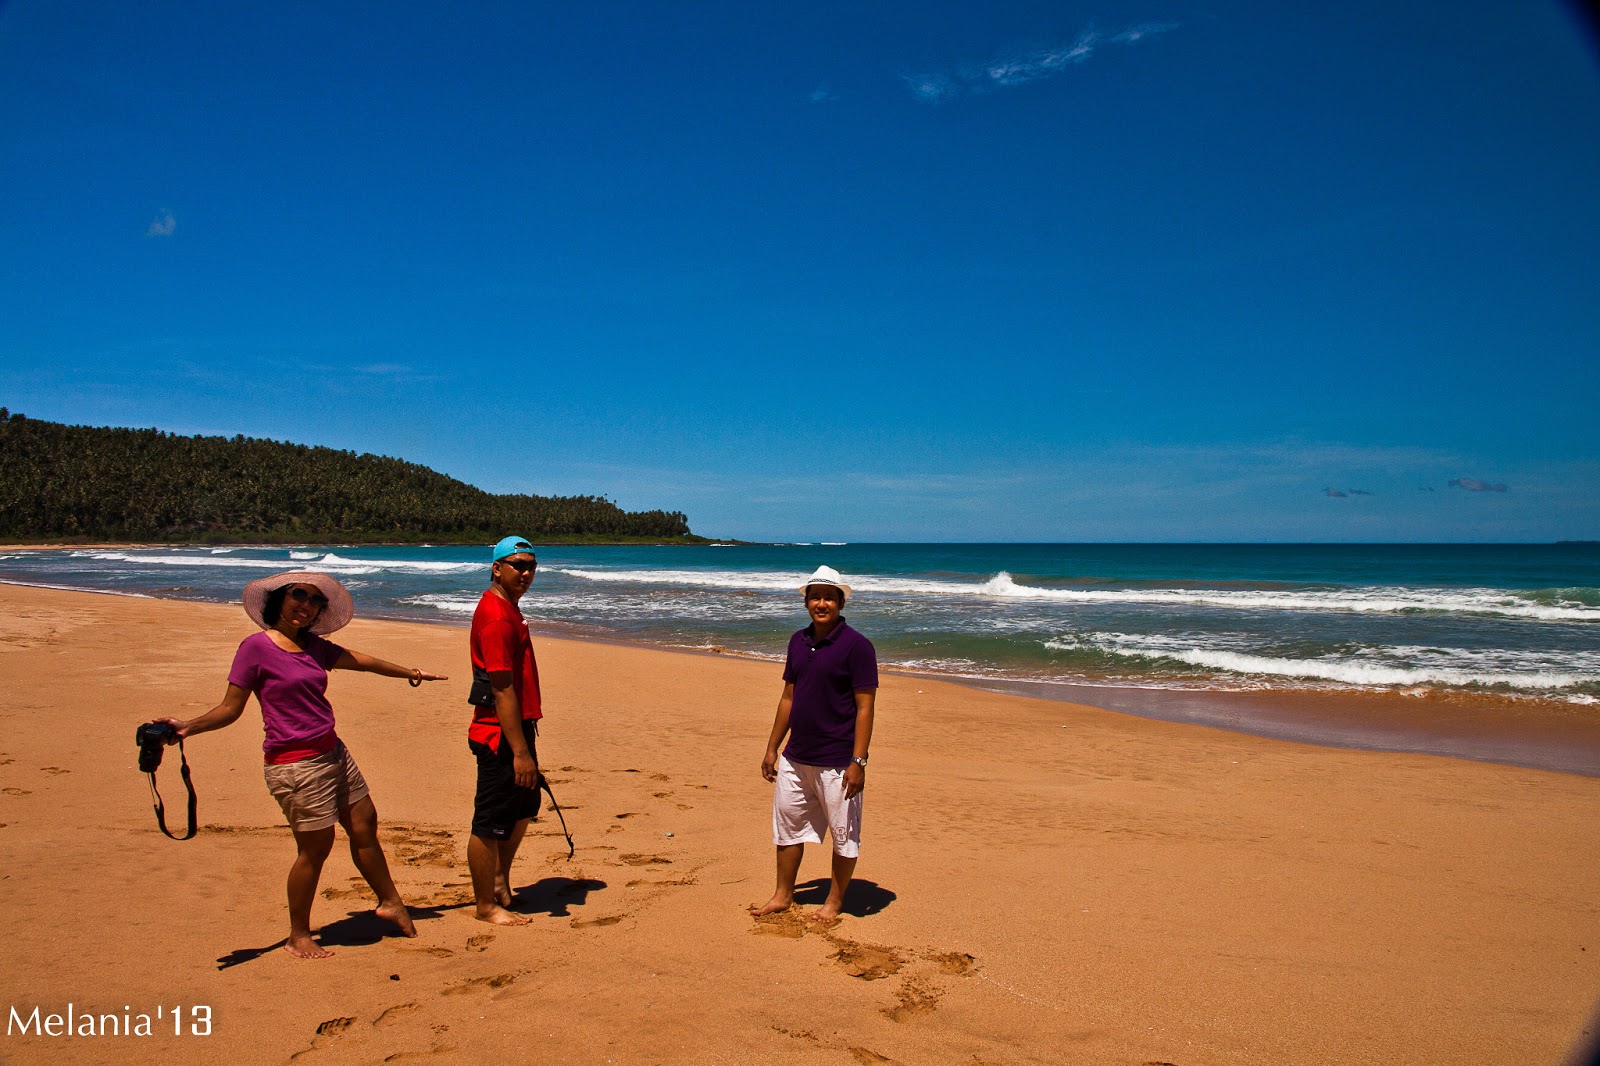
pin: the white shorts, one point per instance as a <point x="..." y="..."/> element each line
<point x="809" y="801"/>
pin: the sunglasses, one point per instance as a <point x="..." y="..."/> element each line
<point x="521" y="567"/>
<point x="317" y="599"/>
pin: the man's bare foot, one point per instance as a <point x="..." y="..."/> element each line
<point x="777" y="903"/>
<point x="397" y="913"/>
<point x="503" y="895"/>
<point x="498" y="915"/>
<point x="827" y="915"/>
<point x="303" y="947"/>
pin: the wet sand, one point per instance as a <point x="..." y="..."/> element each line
<point x="1040" y="881"/>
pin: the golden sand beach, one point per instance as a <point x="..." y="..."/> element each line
<point x="1039" y="883"/>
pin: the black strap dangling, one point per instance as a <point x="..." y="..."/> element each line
<point x="194" y="805"/>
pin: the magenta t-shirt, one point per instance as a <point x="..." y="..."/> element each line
<point x="292" y="690"/>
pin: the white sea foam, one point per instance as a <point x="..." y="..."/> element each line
<point x="450" y="603"/>
<point x="586" y="607"/>
<point x="1352" y="599"/>
<point x="329" y="563"/>
<point x="1371" y="666"/>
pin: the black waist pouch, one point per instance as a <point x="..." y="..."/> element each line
<point x="482" y="693"/>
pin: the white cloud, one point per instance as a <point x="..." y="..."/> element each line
<point x="1023" y="66"/>
<point x="162" y="225"/>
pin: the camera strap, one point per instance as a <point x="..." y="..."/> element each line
<point x="161" y="817"/>
<point x="544" y="786"/>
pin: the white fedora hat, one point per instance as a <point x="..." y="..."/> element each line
<point x="827" y="575"/>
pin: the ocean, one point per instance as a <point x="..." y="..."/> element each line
<point x="1521" y="621"/>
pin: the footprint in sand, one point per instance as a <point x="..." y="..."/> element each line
<point x="361" y="892"/>
<point x="499" y="980"/>
<point x="325" y="1033"/>
<point x="645" y="860"/>
<point x="661" y="795"/>
<point x="448" y="895"/>
<point x="586" y="923"/>
<point x="789" y="924"/>
<point x="394" y="1014"/>
<point x="16" y="791"/>
<point x="915" y="997"/>
<point x="480" y="942"/>
<point x="53" y="770"/>
<point x="675" y="882"/>
<point x="868" y="1056"/>
<point x="421" y="847"/>
<point x="432" y="1052"/>
<point x="867" y="961"/>
<point x="660" y="777"/>
<point x="952" y="962"/>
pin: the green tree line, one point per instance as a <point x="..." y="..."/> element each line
<point x="60" y="482"/>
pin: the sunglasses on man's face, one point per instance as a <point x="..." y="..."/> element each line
<point x="316" y="599"/>
<point x="521" y="566"/>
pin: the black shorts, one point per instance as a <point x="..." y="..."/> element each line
<point x="501" y="803"/>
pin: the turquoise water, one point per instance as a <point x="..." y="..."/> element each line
<point x="1521" y="620"/>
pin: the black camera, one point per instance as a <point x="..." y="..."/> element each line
<point x="151" y="737"/>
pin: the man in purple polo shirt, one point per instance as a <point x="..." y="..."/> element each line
<point x="830" y="685"/>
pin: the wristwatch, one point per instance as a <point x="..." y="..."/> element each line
<point x="861" y="761"/>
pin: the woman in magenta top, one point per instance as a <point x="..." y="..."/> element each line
<point x="308" y="769"/>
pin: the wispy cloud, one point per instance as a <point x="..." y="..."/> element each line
<point x="1474" y="485"/>
<point x="1334" y="492"/>
<point x="1021" y="67"/>
<point x="822" y="94"/>
<point x="1360" y="492"/>
<point x="162" y="225"/>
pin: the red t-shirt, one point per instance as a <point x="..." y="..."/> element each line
<point x="500" y="641"/>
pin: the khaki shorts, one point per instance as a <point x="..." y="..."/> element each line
<point x="809" y="806"/>
<point x="314" y="792"/>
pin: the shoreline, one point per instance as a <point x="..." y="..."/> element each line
<point x="1531" y="732"/>
<point x="1040" y="881"/>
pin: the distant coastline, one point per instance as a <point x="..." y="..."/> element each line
<point x="91" y="484"/>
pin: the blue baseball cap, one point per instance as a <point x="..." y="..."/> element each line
<point x="512" y="546"/>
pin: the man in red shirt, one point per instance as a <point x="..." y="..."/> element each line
<point x="506" y="713"/>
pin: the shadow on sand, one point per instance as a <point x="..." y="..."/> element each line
<point x="860" y="899"/>
<point x="356" y="929"/>
<point x="554" y="895"/>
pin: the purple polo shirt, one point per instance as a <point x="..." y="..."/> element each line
<point x="826" y="676"/>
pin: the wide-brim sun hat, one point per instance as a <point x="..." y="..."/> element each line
<point x="827" y="575"/>
<point x="341" y="608"/>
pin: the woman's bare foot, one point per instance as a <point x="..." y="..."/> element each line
<point x="397" y="913"/>
<point x="303" y="947"/>
<point x="779" y="902"/>
<point x="498" y="915"/>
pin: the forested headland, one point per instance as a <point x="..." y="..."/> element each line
<point x="86" y="483"/>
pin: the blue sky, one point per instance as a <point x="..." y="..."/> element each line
<point x="1009" y="271"/>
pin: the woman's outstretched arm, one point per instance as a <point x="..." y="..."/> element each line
<point x="371" y="664"/>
